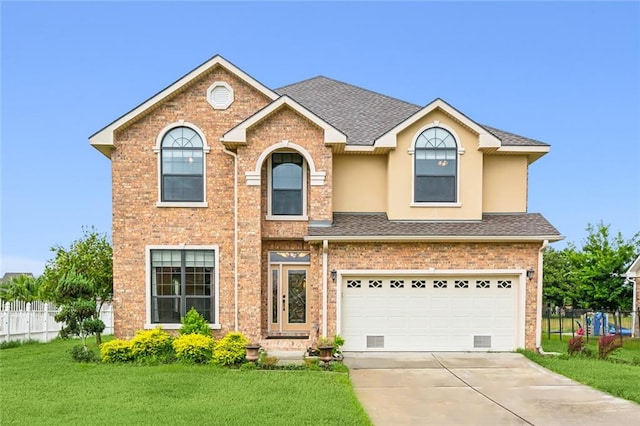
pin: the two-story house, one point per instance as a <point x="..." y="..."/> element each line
<point x="322" y="208"/>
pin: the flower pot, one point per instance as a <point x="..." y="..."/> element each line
<point x="253" y="352"/>
<point x="326" y="353"/>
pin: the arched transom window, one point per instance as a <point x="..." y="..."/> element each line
<point x="182" y="165"/>
<point x="435" y="166"/>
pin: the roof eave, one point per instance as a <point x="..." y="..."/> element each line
<point x="433" y="238"/>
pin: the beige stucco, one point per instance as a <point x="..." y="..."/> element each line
<point x="504" y="184"/>
<point x="400" y="174"/>
<point x="359" y="183"/>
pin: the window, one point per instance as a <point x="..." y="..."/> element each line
<point x="435" y="166"/>
<point x="287" y="184"/>
<point x="182" y="168"/>
<point x="180" y="280"/>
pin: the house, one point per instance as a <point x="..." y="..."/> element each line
<point x="322" y="208"/>
<point x="633" y="276"/>
<point x="8" y="276"/>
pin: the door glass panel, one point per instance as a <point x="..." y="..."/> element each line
<point x="274" y="296"/>
<point x="297" y="297"/>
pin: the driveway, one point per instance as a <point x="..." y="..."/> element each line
<point x="477" y="389"/>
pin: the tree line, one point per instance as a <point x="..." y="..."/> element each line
<point x="591" y="276"/>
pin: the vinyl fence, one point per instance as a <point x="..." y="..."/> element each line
<point x="35" y="321"/>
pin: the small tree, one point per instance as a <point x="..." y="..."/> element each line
<point x="558" y="287"/>
<point x="78" y="308"/>
<point x="90" y="257"/>
<point x="598" y="267"/>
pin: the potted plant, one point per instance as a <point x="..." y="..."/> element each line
<point x="253" y="352"/>
<point x="325" y="347"/>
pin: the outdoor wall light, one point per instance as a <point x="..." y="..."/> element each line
<point x="334" y="275"/>
<point x="530" y="273"/>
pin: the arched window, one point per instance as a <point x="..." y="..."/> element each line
<point x="435" y="166"/>
<point x="182" y="165"/>
<point x="287" y="184"/>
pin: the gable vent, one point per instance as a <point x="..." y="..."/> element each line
<point x="482" y="342"/>
<point x="375" y="341"/>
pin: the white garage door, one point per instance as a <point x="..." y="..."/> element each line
<point x="430" y="314"/>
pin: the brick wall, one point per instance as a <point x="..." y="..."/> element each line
<point x="439" y="256"/>
<point x="137" y="222"/>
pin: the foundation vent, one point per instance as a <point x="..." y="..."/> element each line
<point x="482" y="342"/>
<point x="375" y="342"/>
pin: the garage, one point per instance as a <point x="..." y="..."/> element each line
<point x="431" y="312"/>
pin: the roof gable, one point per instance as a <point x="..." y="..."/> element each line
<point x="485" y="138"/>
<point x="103" y="139"/>
<point x="238" y="135"/>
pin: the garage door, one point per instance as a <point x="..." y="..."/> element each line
<point x="414" y="313"/>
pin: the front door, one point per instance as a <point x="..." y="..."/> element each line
<point x="288" y="307"/>
<point x="294" y="298"/>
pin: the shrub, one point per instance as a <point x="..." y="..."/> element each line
<point x="193" y="322"/>
<point x="247" y="366"/>
<point x="194" y="348"/>
<point x="152" y="346"/>
<point x="608" y="344"/>
<point x="116" y="351"/>
<point x="575" y="345"/>
<point x="230" y="349"/>
<point x="81" y="353"/>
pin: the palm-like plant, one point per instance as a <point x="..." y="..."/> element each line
<point x="21" y="287"/>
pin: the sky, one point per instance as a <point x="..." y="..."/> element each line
<point x="565" y="73"/>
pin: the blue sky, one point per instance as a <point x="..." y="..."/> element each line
<point x="564" y="73"/>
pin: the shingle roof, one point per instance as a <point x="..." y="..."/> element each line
<point x="361" y="114"/>
<point x="492" y="225"/>
<point x="364" y="115"/>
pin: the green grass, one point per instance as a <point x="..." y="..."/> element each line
<point x="40" y="384"/>
<point x="619" y="376"/>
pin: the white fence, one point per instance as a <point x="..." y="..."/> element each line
<point x="35" y="321"/>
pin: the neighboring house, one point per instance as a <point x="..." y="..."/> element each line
<point x="322" y="208"/>
<point x="633" y="275"/>
<point x="8" y="275"/>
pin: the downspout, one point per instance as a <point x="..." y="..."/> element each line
<point x="325" y="285"/>
<point x="235" y="236"/>
<point x="545" y="243"/>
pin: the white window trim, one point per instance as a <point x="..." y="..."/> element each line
<point x="304" y="216"/>
<point x="205" y="149"/>
<point x="175" y="326"/>
<point x="411" y="152"/>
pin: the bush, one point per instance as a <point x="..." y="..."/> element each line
<point x="608" y="344"/>
<point x="230" y="349"/>
<point x="193" y="322"/>
<point x="248" y="366"/>
<point x="116" y="351"/>
<point x="152" y="346"/>
<point x="575" y="345"/>
<point x="194" y="348"/>
<point x="80" y="353"/>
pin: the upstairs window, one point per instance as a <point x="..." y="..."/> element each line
<point x="435" y="167"/>
<point x="287" y="184"/>
<point x="182" y="170"/>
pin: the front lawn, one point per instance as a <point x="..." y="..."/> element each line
<point x="40" y="384"/>
<point x="618" y="376"/>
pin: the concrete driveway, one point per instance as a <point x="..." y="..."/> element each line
<point x="477" y="389"/>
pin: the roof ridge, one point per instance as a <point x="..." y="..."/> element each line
<point x="320" y="76"/>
